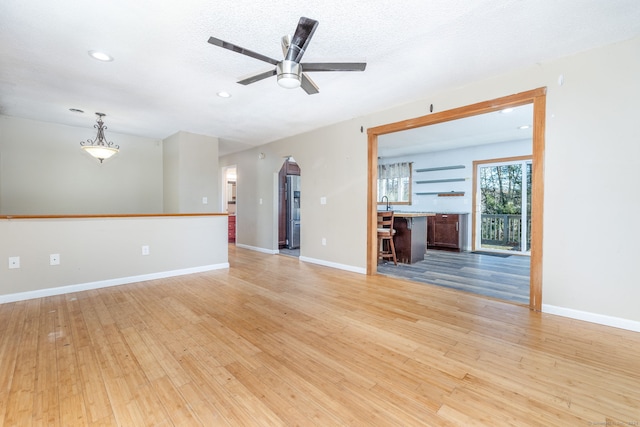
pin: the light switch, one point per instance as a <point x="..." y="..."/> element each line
<point x="323" y="200"/>
<point x="54" y="259"/>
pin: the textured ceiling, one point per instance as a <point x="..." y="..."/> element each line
<point x="165" y="75"/>
<point x="488" y="128"/>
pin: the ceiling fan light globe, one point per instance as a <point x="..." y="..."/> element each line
<point x="289" y="81"/>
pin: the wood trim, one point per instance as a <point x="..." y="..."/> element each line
<point x="460" y="112"/>
<point x="372" y="203"/>
<point x="503" y="160"/>
<point x="537" y="200"/>
<point x="108" y="216"/>
<point x="537" y="97"/>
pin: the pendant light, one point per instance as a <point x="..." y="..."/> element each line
<point x="100" y="148"/>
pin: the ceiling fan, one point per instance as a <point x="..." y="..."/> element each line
<point x="290" y="71"/>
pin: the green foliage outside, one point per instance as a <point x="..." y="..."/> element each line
<point x="501" y="189"/>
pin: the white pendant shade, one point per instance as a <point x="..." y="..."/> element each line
<point x="100" y="148"/>
<point x="100" y="152"/>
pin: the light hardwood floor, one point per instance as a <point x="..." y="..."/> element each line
<point x="275" y="341"/>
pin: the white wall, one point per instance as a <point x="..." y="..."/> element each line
<point x="43" y="170"/>
<point x="333" y="164"/>
<point x="171" y="173"/>
<point x="191" y="173"/>
<point x="199" y="173"/>
<point x="96" y="252"/>
<point x="591" y="160"/>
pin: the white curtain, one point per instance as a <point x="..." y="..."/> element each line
<point x="393" y="181"/>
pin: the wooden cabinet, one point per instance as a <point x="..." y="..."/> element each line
<point x="232" y="228"/>
<point x="409" y="240"/>
<point x="447" y="231"/>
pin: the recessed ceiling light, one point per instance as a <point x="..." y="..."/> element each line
<point x="523" y="127"/>
<point x="506" y="110"/>
<point x="76" y="110"/>
<point x="100" y="56"/>
<point x="224" y="94"/>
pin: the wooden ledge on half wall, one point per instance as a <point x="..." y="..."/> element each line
<point x="80" y="216"/>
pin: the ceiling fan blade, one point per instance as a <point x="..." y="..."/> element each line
<point x="308" y="85"/>
<point x="257" y="77"/>
<point x="226" y="45"/>
<point x="285" y="42"/>
<point x="334" y="66"/>
<point x="301" y="38"/>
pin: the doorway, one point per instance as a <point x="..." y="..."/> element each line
<point x="229" y="193"/>
<point x="503" y="213"/>
<point x="537" y="98"/>
<point x="444" y="159"/>
<point x="289" y="199"/>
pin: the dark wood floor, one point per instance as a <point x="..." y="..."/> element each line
<point x="497" y="277"/>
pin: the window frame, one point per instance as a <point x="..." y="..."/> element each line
<point x="409" y="186"/>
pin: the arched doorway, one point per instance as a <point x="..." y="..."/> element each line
<point x="289" y="208"/>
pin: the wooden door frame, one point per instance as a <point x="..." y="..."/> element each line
<point x="536" y="97"/>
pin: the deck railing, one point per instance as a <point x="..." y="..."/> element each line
<point x="503" y="231"/>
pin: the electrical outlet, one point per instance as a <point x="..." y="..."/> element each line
<point x="14" y="262"/>
<point x="205" y="200"/>
<point x="54" y="259"/>
<point x="323" y="200"/>
<point x="145" y="250"/>
<point x="324" y="241"/>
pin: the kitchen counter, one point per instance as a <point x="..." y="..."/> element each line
<point x="410" y="239"/>
<point x="452" y="213"/>
<point x="412" y="214"/>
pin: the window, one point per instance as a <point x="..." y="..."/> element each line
<point x="394" y="182"/>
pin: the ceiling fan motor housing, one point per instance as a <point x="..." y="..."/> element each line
<point x="289" y="73"/>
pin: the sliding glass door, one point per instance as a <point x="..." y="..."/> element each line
<point x="504" y="220"/>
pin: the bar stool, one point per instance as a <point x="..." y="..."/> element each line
<point x="386" y="232"/>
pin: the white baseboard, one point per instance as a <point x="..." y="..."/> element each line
<point x="40" y="293"/>
<point x="307" y="259"/>
<point x="334" y="265"/>
<point x="616" y="322"/>
<point x="257" y="249"/>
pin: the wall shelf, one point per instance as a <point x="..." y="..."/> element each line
<point x="442" y="193"/>
<point x="440" y="181"/>
<point x="441" y="168"/>
<point x="433" y="181"/>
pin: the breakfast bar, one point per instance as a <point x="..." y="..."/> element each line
<point x="410" y="239"/>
